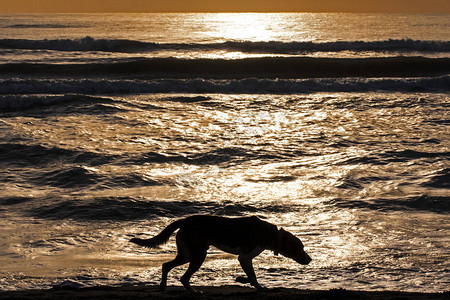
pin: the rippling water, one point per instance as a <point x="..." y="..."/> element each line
<point x="341" y="139"/>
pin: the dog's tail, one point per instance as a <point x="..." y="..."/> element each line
<point x="161" y="238"/>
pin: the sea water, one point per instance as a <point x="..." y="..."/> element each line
<point x="332" y="126"/>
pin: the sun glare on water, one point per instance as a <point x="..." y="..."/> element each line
<point x="241" y="26"/>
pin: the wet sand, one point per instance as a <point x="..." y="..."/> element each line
<point x="223" y="293"/>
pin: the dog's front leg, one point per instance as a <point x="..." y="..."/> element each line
<point x="247" y="266"/>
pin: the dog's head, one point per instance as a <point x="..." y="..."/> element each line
<point x="290" y="246"/>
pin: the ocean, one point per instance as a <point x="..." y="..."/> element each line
<point x="335" y="127"/>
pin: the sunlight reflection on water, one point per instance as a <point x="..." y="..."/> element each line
<point x="289" y="159"/>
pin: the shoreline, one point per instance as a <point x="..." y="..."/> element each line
<point x="226" y="292"/>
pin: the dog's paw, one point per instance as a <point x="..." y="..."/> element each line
<point x="195" y="292"/>
<point x="262" y="289"/>
<point x="242" y="279"/>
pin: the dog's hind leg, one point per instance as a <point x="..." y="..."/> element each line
<point x="166" y="267"/>
<point x="196" y="261"/>
<point x="247" y="266"/>
<point x="181" y="258"/>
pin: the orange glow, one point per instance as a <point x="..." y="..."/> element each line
<point x="8" y="6"/>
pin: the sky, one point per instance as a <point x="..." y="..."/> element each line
<point x="30" y="6"/>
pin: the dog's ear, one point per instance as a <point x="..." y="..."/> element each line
<point x="281" y="235"/>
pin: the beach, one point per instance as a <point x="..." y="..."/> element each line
<point x="221" y="293"/>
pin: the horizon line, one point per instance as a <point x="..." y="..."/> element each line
<point x="225" y="11"/>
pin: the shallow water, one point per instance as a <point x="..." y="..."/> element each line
<point x="362" y="181"/>
<point x="357" y="167"/>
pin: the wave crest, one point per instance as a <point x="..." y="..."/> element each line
<point x="12" y="90"/>
<point x="131" y="46"/>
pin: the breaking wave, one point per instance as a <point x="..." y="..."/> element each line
<point x="15" y="93"/>
<point x="131" y="46"/>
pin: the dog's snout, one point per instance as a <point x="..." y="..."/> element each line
<point x="304" y="259"/>
<point x="308" y="259"/>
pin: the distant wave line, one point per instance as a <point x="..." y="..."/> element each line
<point x="39" y="26"/>
<point x="276" y="47"/>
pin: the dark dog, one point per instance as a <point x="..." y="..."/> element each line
<point x="246" y="237"/>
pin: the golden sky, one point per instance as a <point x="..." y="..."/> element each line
<point x="8" y="6"/>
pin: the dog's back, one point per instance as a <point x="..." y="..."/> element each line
<point x="243" y="234"/>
